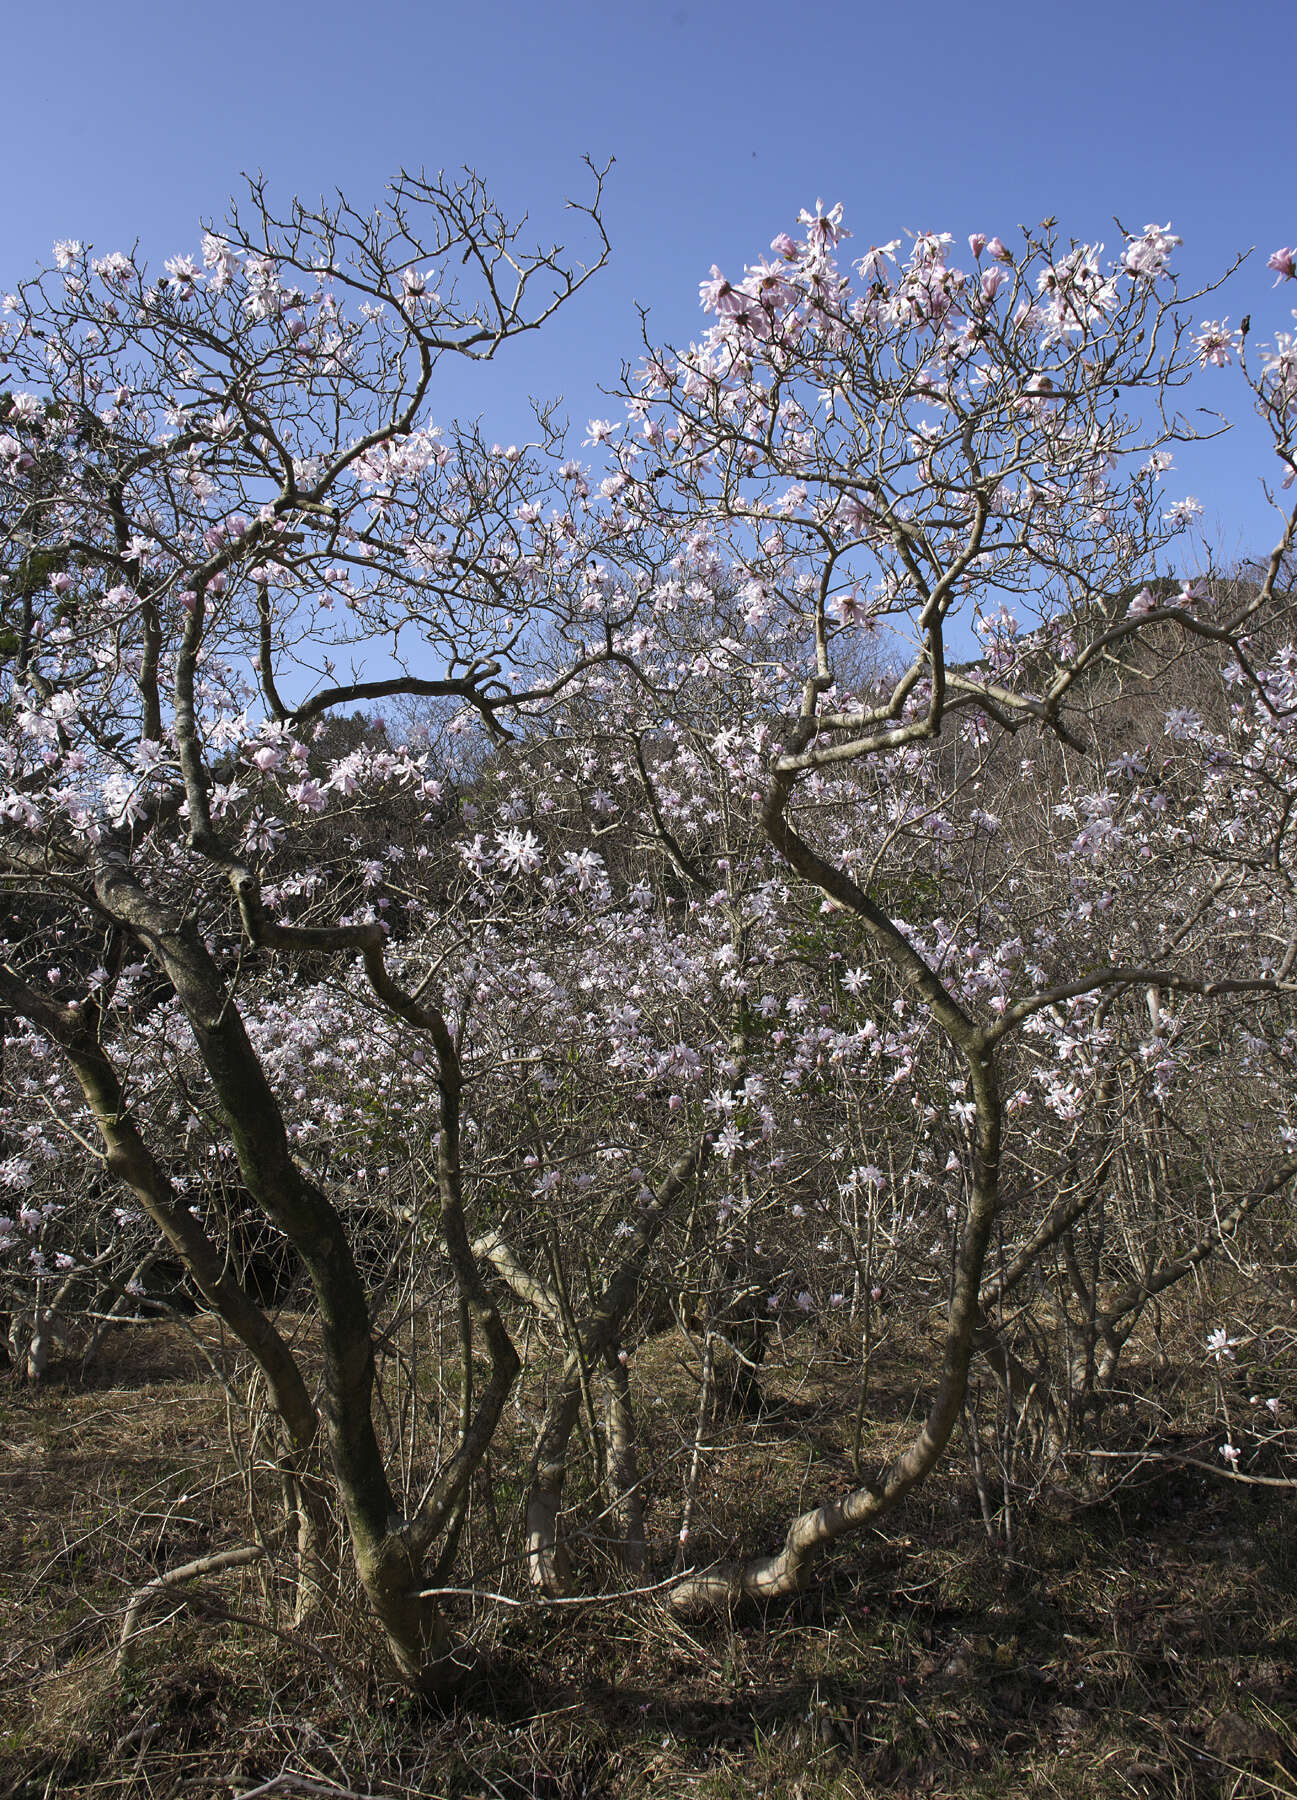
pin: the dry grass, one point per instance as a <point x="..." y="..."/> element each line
<point x="1142" y="1644"/>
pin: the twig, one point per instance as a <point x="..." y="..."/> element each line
<point x="545" y="1601"/>
<point x="307" y="1784"/>
<point x="1193" y="1462"/>
<point x="154" y="1590"/>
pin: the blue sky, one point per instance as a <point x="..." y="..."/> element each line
<point x="130" y="121"/>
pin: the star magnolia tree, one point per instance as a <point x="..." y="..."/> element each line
<point x="229" y="468"/>
<point x="928" y="442"/>
<point x="757" y="980"/>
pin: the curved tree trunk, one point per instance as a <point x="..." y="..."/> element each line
<point x="785" y="1570"/>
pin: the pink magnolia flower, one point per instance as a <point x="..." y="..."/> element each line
<point x="823" y="229"/>
<point x="1215" y="342"/>
<point x="310" y="795"/>
<point x="584" y="866"/>
<point x="518" y="853"/>
<point x="873" y="264"/>
<point x="1284" y="263"/>
<point x="1149" y="254"/>
<point x="116" y="269"/>
<point x="717" y="296"/>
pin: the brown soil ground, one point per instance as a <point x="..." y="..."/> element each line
<point x="1141" y="1641"/>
